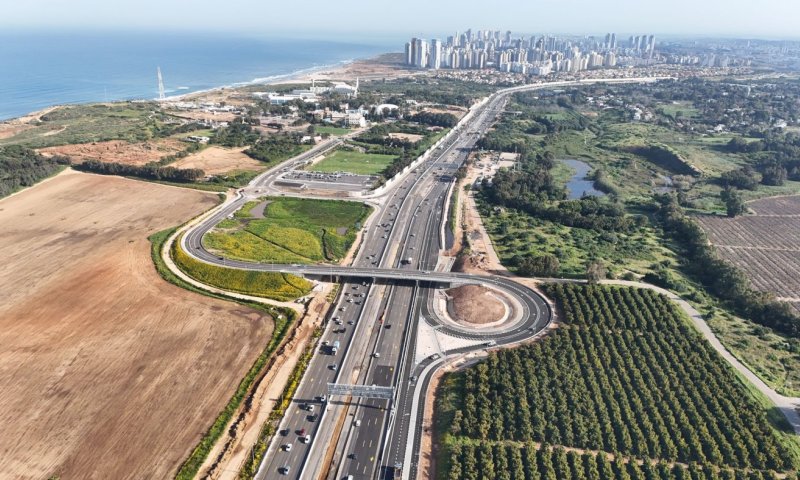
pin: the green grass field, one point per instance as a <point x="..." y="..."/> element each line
<point x="353" y="162"/>
<point x="337" y="131"/>
<point x="293" y="231"/>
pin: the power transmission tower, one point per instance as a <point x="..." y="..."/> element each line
<point x="161" y="96"/>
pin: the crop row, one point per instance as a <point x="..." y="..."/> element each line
<point x="524" y="462"/>
<point x="626" y="373"/>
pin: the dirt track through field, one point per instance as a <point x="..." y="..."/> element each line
<point x="106" y="370"/>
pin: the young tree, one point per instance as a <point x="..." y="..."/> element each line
<point x="734" y="203"/>
<point x="595" y="271"/>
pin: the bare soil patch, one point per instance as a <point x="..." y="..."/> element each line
<point x="8" y="130"/>
<point x="458" y="112"/>
<point x="118" y="151"/>
<point x="108" y="370"/>
<point x="475" y="304"/>
<point x="765" y="246"/>
<point x="409" y="137"/>
<point x="216" y="160"/>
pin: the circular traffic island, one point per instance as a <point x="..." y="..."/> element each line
<point x="474" y="305"/>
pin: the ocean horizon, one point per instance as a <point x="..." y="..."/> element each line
<point x="39" y="69"/>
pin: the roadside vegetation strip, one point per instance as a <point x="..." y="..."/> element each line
<point x="625" y="374"/>
<point x="259" y="450"/>
<point x="271" y="285"/>
<point x="452" y="220"/>
<point x="283" y="319"/>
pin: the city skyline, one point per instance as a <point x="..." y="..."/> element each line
<point x="769" y="19"/>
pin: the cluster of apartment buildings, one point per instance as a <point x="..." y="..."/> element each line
<point x="529" y="55"/>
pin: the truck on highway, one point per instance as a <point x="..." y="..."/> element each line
<point x="335" y="347"/>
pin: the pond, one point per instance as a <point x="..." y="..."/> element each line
<point x="578" y="185"/>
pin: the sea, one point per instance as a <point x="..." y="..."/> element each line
<point x="40" y="69"/>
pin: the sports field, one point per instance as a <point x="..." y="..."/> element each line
<point x="332" y="130"/>
<point x="353" y="162"/>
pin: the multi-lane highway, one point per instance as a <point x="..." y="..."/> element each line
<point x="374" y="325"/>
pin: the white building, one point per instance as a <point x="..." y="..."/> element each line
<point x="346" y="90"/>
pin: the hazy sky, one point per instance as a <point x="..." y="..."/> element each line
<point x="400" y="18"/>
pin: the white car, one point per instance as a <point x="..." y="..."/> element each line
<point x="287" y="447"/>
<point x="307" y="439"/>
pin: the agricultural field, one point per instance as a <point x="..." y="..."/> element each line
<point x="766" y="246"/>
<point x="289" y="230"/>
<point x="782" y="206"/>
<point x="522" y="461"/>
<point x="353" y="162"/>
<point x="624" y="373"/>
<point x="102" y="359"/>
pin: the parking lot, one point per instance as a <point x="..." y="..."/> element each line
<point x="341" y="181"/>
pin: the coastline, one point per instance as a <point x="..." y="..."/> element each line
<point x="340" y="71"/>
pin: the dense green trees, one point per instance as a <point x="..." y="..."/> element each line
<point x="150" y="171"/>
<point x="22" y="167"/>
<point x="743" y="178"/>
<point x="446" y="120"/>
<point x="538" y="266"/>
<point x="734" y="203"/>
<point x="276" y="148"/>
<point x="236" y="134"/>
<point x="525" y="462"/>
<point x="625" y="373"/>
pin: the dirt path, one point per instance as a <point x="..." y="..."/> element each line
<point x="103" y="362"/>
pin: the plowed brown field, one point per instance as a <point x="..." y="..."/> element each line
<point x="766" y="245"/>
<point x="106" y="370"/>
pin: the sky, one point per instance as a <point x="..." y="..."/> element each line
<point x="394" y="19"/>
